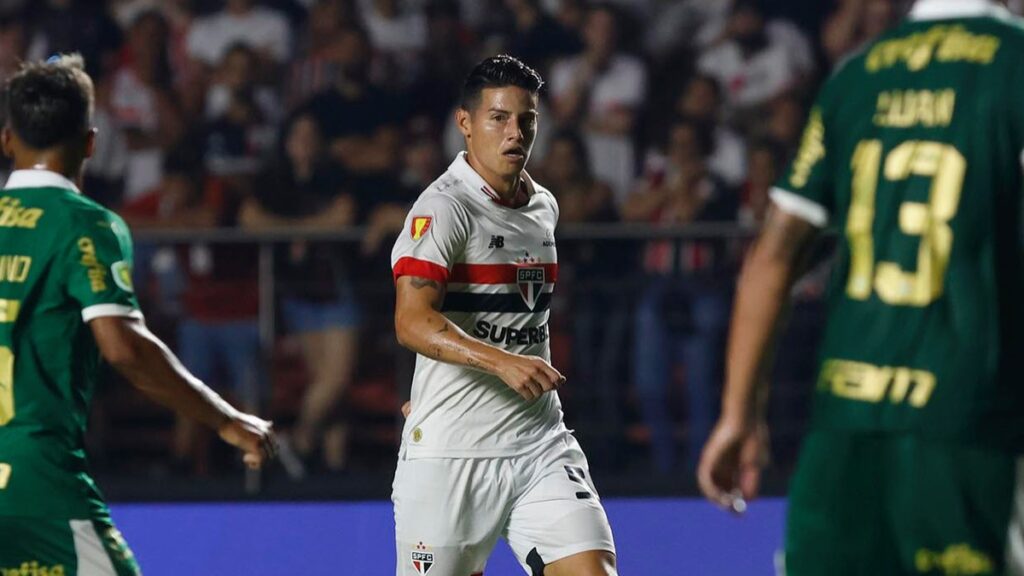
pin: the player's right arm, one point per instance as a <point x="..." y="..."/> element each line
<point x="97" y="266"/>
<point x="435" y="237"/>
<point x="420" y="327"/>
<point x="736" y="452"/>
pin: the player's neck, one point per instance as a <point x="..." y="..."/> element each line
<point x="52" y="161"/>
<point x="507" y="189"/>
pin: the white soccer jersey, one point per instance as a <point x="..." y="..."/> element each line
<point x="500" y="266"/>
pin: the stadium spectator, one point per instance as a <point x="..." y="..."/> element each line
<point x="766" y="161"/>
<point x="537" y="38"/>
<point x="236" y="80"/>
<point x="239" y="135"/>
<point x="581" y="196"/>
<point x="756" y="60"/>
<point x="143" y="103"/>
<point x="305" y="190"/>
<point x="359" y="119"/>
<point x="241" y="21"/>
<point x="593" y="319"/>
<point x="853" y="24"/>
<point x="324" y="20"/>
<point x="600" y="90"/>
<point x="188" y="79"/>
<point x="218" y="336"/>
<point x="384" y="214"/>
<point x="701" y="100"/>
<point x="13" y="44"/>
<point x="785" y="119"/>
<point x="449" y="50"/>
<point x="65" y="26"/>
<point x="685" y="25"/>
<point x="316" y="64"/>
<point x="399" y="34"/>
<point x="682" y="313"/>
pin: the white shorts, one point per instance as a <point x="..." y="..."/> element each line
<point x="449" y="512"/>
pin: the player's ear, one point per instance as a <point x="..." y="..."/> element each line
<point x="462" y="118"/>
<point x="90" y="142"/>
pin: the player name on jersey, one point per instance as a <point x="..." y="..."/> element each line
<point x="908" y="108"/>
<point x="14" y="268"/>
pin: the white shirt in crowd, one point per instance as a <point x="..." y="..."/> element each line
<point x="755" y="80"/>
<point x="134" y="107"/>
<point x="260" y="28"/>
<point x="622" y="86"/>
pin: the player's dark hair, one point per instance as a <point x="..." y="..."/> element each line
<point x="49" y="103"/>
<point x="498" y="72"/>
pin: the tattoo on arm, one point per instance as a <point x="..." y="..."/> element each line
<point x="419" y="283"/>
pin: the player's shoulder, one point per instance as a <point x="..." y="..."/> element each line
<point x="85" y="215"/>
<point x="445" y="195"/>
<point x="80" y="206"/>
<point x="917" y="41"/>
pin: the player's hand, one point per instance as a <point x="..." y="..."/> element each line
<point x="407" y="408"/>
<point x="253" y="436"/>
<point x="531" y="377"/>
<point x="729" y="473"/>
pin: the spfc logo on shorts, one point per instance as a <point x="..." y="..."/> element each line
<point x="530" y="281"/>
<point x="422" y="560"/>
<point x="420" y="225"/>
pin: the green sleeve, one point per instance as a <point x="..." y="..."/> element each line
<point x="807" y="188"/>
<point x="98" y="265"/>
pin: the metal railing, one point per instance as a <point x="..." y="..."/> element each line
<point x="621" y="467"/>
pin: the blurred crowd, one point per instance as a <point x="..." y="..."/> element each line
<point x="327" y="114"/>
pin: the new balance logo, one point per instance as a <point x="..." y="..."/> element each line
<point x="497" y="242"/>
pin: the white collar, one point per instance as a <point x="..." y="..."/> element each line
<point x="945" y="9"/>
<point x="461" y="168"/>
<point x="39" y="178"/>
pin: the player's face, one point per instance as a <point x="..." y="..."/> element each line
<point x="500" y="131"/>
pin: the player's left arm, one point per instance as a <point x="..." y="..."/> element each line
<point x="735" y="453"/>
<point x="730" y="466"/>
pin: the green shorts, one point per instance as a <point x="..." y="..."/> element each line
<point x="894" y="504"/>
<point x="45" y="547"/>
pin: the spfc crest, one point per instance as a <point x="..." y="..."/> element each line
<point x="422" y="560"/>
<point x="531" y="282"/>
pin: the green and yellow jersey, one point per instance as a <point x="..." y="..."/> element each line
<point x="913" y="153"/>
<point x="64" y="260"/>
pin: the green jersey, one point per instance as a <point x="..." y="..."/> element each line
<point x="913" y="152"/>
<point x="64" y="260"/>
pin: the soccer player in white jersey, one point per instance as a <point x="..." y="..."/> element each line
<point x="485" y="453"/>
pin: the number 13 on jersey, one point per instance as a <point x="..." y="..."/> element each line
<point x="946" y="167"/>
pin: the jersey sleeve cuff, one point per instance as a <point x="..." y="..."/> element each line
<point x="103" y="310"/>
<point x="799" y="206"/>
<point x="409" y="266"/>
